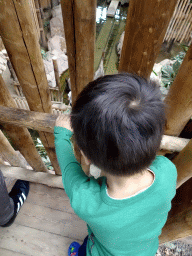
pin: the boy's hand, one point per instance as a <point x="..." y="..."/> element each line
<point x="63" y="120"/>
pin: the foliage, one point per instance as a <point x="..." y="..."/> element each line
<point x="169" y="72"/>
<point x="40" y="148"/>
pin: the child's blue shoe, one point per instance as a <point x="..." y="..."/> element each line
<point x="73" y="249"/>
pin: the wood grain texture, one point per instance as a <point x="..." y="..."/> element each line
<point x="26" y="174"/>
<point x="23" y="49"/>
<point x="8" y="153"/>
<point x="179" y="98"/>
<point x="183" y="162"/>
<point x="20" y="136"/>
<point x="145" y="29"/>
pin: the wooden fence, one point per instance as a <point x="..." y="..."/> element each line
<point x="150" y="20"/>
<point x="180" y="26"/>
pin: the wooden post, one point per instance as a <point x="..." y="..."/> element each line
<point x="79" y="26"/>
<point x="42" y="32"/>
<point x="177" y="227"/>
<point x="179" y="221"/>
<point x="57" y="79"/>
<point x="79" y="18"/>
<point x="178" y="100"/>
<point x="146" y="26"/>
<point x="8" y="153"/>
<point x="20" y="136"/>
<point x="20" y="40"/>
<point x="183" y="163"/>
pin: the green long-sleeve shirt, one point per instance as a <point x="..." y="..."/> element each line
<point x="128" y="226"/>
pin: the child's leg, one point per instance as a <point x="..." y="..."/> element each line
<point x="82" y="248"/>
<point x="76" y="250"/>
<point x="6" y="203"/>
<point x="10" y="204"/>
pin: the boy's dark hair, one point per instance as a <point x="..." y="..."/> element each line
<point x="118" y="123"/>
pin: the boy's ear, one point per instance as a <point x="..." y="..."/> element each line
<point x="87" y="161"/>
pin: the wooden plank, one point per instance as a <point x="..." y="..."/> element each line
<point x="20" y="136"/>
<point x="52" y="221"/>
<point x="112" y="60"/>
<point x="26" y="174"/>
<point x="146" y="26"/>
<point x="8" y="252"/>
<point x="24" y="240"/>
<point x="178" y="100"/>
<point x="112" y="8"/>
<point x="102" y="40"/>
<point x="22" y="47"/>
<point x="50" y="197"/>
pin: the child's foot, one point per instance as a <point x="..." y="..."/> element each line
<point x="19" y="194"/>
<point x="73" y="249"/>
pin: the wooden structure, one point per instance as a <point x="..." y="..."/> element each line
<point x="180" y="26"/>
<point x="150" y="20"/>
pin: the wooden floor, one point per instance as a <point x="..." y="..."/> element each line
<point x="45" y="225"/>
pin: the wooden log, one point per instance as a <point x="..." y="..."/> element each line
<point x="183" y="163"/>
<point x="46" y="122"/>
<point x="69" y="29"/>
<point x="22" y="46"/>
<point x="29" y="175"/>
<point x="8" y="153"/>
<point x="20" y="136"/>
<point x="178" y="100"/>
<point x="177" y="227"/>
<point x="42" y="32"/>
<point x="57" y="79"/>
<point x="179" y="224"/>
<point x="79" y="25"/>
<point x="141" y="45"/>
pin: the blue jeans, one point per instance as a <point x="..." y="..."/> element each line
<point x="82" y="248"/>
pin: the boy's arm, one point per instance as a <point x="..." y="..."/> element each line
<point x="71" y="170"/>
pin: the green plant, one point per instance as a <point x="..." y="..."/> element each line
<point x="169" y="72"/>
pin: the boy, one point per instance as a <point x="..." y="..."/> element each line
<point x="118" y="123"/>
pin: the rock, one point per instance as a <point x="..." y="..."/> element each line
<point x="62" y="62"/>
<point x="3" y="61"/>
<point x="56" y="23"/>
<point x="57" y="43"/>
<point x="120" y="44"/>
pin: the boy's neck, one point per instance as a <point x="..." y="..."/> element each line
<point x="123" y="187"/>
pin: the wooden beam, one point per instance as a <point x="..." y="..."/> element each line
<point x="29" y="175"/>
<point x="46" y="122"/>
<point x="57" y="79"/>
<point x="80" y="26"/>
<point x="178" y="226"/>
<point x="183" y="163"/>
<point x="145" y="29"/>
<point x="179" y="220"/>
<point x="40" y="21"/>
<point x="79" y="18"/>
<point x="178" y="100"/>
<point x="8" y="153"/>
<point x="20" y="136"/>
<point x="20" y="40"/>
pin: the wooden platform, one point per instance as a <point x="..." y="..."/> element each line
<point x="45" y="225"/>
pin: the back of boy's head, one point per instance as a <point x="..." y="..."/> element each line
<point x="118" y="123"/>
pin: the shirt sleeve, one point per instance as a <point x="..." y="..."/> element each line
<point x="72" y="173"/>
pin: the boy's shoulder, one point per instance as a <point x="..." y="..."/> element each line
<point x="165" y="171"/>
